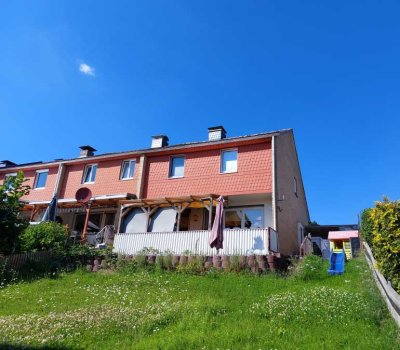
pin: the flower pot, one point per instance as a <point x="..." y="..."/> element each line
<point x="217" y="261"/>
<point x="262" y="266"/>
<point x="183" y="260"/>
<point x="175" y="260"/>
<point x="225" y="262"/>
<point x="208" y="265"/>
<point x="103" y="264"/>
<point x="151" y="259"/>
<point x="96" y="265"/>
<point x="243" y="262"/>
<point x="251" y="261"/>
<point x="191" y="259"/>
<point x="271" y="262"/>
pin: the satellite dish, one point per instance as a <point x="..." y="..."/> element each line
<point x="83" y="195"/>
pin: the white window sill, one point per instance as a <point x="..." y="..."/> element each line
<point x="176" y="177"/>
<point x="127" y="178"/>
<point x="88" y="183"/>
<point x="39" y="188"/>
<point x="228" y="172"/>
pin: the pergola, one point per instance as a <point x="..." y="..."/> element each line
<point x="150" y="206"/>
<point x="64" y="205"/>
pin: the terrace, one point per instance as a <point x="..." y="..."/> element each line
<point x="183" y="224"/>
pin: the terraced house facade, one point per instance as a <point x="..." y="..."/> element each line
<point x="165" y="196"/>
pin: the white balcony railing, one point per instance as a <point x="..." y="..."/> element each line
<point x="236" y="241"/>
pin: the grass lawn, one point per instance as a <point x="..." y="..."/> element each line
<point x="115" y="310"/>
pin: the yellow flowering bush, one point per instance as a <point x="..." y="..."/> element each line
<point x="384" y="220"/>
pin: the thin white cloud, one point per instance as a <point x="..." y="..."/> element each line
<point x="86" y="69"/>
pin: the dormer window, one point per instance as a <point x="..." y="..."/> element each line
<point x="89" y="175"/>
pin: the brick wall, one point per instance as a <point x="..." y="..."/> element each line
<point x="107" y="178"/>
<point x="41" y="194"/>
<point x="202" y="173"/>
<point x="293" y="209"/>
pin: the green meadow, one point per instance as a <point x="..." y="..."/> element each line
<point x="171" y="310"/>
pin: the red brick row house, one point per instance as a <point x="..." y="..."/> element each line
<point x="165" y="196"/>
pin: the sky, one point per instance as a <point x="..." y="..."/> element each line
<point x="111" y="74"/>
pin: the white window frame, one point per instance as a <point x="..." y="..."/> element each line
<point x="8" y="175"/>
<point x="222" y="160"/>
<point x="129" y="161"/>
<point x="35" y="187"/>
<point x="85" y="173"/>
<point x="242" y="216"/>
<point x="170" y="167"/>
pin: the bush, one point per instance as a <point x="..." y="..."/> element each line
<point x="385" y="220"/>
<point x="308" y="268"/>
<point x="366" y="228"/>
<point x="44" y="236"/>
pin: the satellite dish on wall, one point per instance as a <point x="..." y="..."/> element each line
<point x="83" y="195"/>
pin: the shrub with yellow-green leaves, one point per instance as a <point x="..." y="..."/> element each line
<point x="383" y="222"/>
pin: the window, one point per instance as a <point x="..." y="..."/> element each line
<point x="295" y="186"/>
<point x="251" y="217"/>
<point x="229" y="161"/>
<point x="8" y="176"/>
<point x="177" y="167"/>
<point x="90" y="173"/>
<point x="41" y="178"/>
<point x="128" y="169"/>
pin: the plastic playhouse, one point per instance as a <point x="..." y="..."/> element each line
<point x="343" y="245"/>
<point x="348" y="241"/>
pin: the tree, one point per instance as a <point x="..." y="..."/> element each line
<point x="11" y="221"/>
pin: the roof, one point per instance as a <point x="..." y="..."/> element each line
<point x="342" y="235"/>
<point x="159" y="149"/>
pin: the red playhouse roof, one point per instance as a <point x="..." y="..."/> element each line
<point x="342" y="234"/>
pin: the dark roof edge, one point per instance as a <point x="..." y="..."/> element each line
<point x="157" y="150"/>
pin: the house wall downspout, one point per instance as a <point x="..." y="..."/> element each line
<point x="59" y="180"/>
<point x="141" y="176"/>
<point x="274" y="194"/>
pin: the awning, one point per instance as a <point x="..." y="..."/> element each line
<point x="163" y="220"/>
<point x="135" y="221"/>
<point x="340" y="235"/>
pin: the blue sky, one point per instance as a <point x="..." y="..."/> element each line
<point x="329" y="70"/>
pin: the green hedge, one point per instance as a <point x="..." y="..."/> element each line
<point x="380" y="227"/>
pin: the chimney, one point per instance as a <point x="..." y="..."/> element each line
<point x="6" y="164"/>
<point x="216" y="133"/>
<point x="87" y="151"/>
<point x="158" y="141"/>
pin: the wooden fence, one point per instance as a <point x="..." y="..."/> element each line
<point x="15" y="261"/>
<point x="391" y="297"/>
